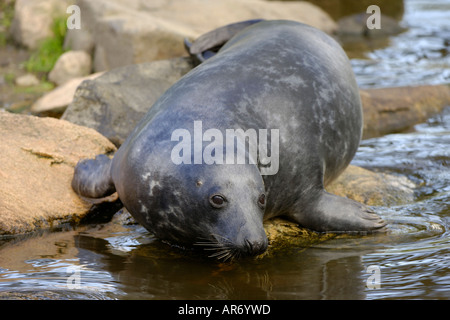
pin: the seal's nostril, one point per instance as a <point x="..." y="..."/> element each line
<point x="255" y="248"/>
<point x="248" y="246"/>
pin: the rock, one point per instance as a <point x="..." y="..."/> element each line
<point x="27" y="80"/>
<point x="71" y="64"/>
<point x="79" y="40"/>
<point x="391" y="110"/>
<point x="36" y="166"/>
<point x="129" y="32"/>
<point x="371" y="188"/>
<point x="283" y="234"/>
<point x="56" y="101"/>
<point x="33" y="20"/>
<point x="114" y="103"/>
<point x="356" y="26"/>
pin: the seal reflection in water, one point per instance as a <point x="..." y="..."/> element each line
<point x="279" y="75"/>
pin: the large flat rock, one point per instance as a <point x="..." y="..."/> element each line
<point x="397" y="109"/>
<point x="36" y="166"/>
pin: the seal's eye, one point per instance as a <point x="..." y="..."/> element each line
<point x="262" y="200"/>
<point x="217" y="201"/>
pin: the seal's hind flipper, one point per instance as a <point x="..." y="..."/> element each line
<point x="198" y="57"/>
<point x="218" y="37"/>
<point x="92" y="177"/>
<point x="209" y="43"/>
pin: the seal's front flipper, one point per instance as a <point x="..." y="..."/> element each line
<point x="337" y="214"/>
<point x="209" y="43"/>
<point x="92" y="177"/>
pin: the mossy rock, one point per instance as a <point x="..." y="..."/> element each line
<point x="372" y="188"/>
<point x="284" y="234"/>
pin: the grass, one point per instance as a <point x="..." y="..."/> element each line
<point x="6" y="17"/>
<point x="9" y="77"/>
<point x="42" y="87"/>
<point x="44" y="58"/>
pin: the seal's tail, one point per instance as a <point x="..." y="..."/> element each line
<point x="92" y="177"/>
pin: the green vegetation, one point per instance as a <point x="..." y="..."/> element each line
<point x="6" y="17"/>
<point x="44" y="58"/>
<point x="42" y="87"/>
<point x="9" y="77"/>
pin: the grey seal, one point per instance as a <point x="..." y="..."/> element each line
<point x="272" y="75"/>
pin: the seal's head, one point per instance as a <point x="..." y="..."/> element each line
<point x="218" y="208"/>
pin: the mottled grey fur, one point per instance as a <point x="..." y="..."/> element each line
<point x="273" y="75"/>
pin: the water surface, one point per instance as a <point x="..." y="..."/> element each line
<point x="420" y="55"/>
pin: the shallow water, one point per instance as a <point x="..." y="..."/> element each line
<point x="420" y="55"/>
<point x="113" y="261"/>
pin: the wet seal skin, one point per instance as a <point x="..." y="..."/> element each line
<point x="279" y="75"/>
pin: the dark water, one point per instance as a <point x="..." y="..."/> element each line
<point x="113" y="261"/>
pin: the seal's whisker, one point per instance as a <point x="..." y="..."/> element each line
<point x="220" y="254"/>
<point x="211" y="246"/>
<point x="217" y="248"/>
<point x="203" y="238"/>
<point x="233" y="254"/>
<point x="236" y="254"/>
<point x="206" y="244"/>
<point x="225" y="257"/>
<point x="222" y="247"/>
<point x="229" y="257"/>
<point x="220" y="237"/>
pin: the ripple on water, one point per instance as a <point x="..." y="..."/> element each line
<point x="48" y="278"/>
<point x="418" y="56"/>
<point x="414" y="256"/>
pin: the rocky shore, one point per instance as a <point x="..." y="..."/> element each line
<point x="124" y="57"/>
